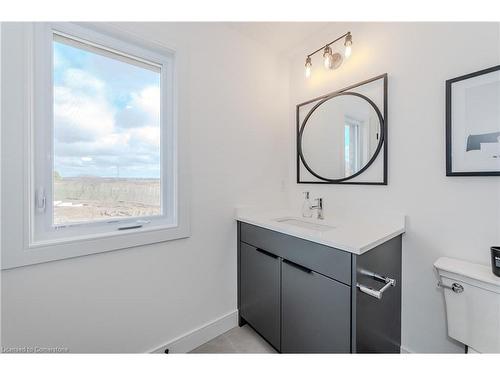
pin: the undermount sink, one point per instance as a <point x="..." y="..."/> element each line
<point x="304" y="224"/>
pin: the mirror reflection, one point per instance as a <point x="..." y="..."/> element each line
<point x="341" y="136"/>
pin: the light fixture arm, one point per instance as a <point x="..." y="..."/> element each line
<point x="329" y="44"/>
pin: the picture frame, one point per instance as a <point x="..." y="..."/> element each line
<point x="473" y="124"/>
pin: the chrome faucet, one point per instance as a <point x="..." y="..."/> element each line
<point x="318" y="206"/>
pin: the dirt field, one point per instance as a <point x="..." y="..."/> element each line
<point x="82" y="199"/>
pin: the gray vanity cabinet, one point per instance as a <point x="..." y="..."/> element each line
<point x="316" y="312"/>
<point x="304" y="297"/>
<point x="260" y="292"/>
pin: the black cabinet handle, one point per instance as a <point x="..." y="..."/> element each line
<point x="298" y="266"/>
<point x="266" y="253"/>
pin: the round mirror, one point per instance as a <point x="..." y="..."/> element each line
<point x="341" y="136"/>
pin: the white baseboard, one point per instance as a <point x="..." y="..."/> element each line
<point x="191" y="340"/>
<point x="405" y="350"/>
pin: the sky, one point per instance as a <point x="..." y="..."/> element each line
<point x="106" y="116"/>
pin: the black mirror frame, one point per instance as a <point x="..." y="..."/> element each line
<point x="382" y="140"/>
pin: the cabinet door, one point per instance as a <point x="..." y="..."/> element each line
<point x="260" y="292"/>
<point x="315" y="312"/>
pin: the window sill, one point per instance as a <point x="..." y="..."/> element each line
<point x="72" y="239"/>
<point x="51" y="250"/>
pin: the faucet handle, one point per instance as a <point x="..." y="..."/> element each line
<point x="319" y="202"/>
<point x="319" y="206"/>
<point x="306" y="194"/>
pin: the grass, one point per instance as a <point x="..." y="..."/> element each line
<point x="84" y="199"/>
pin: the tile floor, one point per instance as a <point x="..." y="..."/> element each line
<point x="237" y="340"/>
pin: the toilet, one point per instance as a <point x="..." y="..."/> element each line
<point x="472" y="297"/>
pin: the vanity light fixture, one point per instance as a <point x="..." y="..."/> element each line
<point x="330" y="61"/>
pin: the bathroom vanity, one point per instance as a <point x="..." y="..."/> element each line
<point x="310" y="286"/>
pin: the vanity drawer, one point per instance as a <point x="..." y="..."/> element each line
<point x="326" y="260"/>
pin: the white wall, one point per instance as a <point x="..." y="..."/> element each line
<point x="456" y="217"/>
<point x="233" y="100"/>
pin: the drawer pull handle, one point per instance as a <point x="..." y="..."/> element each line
<point x="298" y="266"/>
<point x="267" y="253"/>
<point x="388" y="282"/>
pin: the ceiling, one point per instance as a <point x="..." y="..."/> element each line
<point x="279" y="36"/>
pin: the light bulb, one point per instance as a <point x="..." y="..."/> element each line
<point x="328" y="61"/>
<point x="327" y="56"/>
<point x="348" y="45"/>
<point x="308" y="66"/>
<point x="348" y="51"/>
<point x="308" y="71"/>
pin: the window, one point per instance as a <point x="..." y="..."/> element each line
<point x="104" y="136"/>
<point x="352" y="146"/>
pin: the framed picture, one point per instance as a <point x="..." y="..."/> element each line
<point x="473" y="124"/>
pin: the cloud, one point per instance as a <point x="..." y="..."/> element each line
<point x="81" y="111"/>
<point x="149" y="100"/>
<point x="148" y="134"/>
<point x="142" y="110"/>
<point x="95" y="135"/>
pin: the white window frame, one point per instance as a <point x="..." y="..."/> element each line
<point x="37" y="243"/>
<point x="351" y="122"/>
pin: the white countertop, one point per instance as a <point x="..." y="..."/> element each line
<point x="354" y="234"/>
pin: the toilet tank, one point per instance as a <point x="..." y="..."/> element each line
<point x="473" y="307"/>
